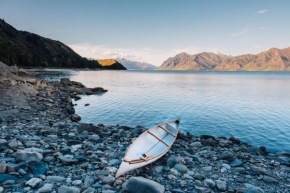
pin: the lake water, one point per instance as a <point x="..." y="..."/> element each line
<point x="253" y="106"/>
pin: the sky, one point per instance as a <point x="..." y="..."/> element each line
<point x="152" y="31"/>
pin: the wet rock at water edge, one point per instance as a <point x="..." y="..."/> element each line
<point x="75" y="118"/>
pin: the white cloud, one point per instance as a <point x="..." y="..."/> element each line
<point x="262" y="11"/>
<point x="257" y="47"/>
<point x="262" y="28"/>
<point x="87" y="50"/>
<point x="193" y="50"/>
<point x="240" y="33"/>
<point x="150" y="55"/>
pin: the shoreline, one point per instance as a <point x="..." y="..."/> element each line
<point x="45" y="148"/>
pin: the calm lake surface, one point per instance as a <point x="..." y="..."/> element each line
<point x="253" y="106"/>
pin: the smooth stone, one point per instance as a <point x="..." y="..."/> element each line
<point x="54" y="179"/>
<point x="226" y="157"/>
<point x="209" y="182"/>
<point x="221" y="185"/>
<point x="89" y="181"/>
<point x="196" y="144"/>
<point x="4" y="177"/>
<point x="66" y="189"/>
<point x="172" y="160"/>
<point x="158" y="169"/>
<point x="33" y="182"/>
<point x="11" y="167"/>
<point x="195" y="158"/>
<point x="94" y="137"/>
<point x="108" y="191"/>
<point x="45" y="188"/>
<point x="102" y="172"/>
<point x="48" y="159"/>
<point x="22" y="172"/>
<point x="270" y="179"/>
<point x="3" y="167"/>
<point x="143" y="185"/>
<point x="227" y="166"/>
<point x="75" y="118"/>
<point x="108" y="180"/>
<point x="38" y="168"/>
<point x="114" y="162"/>
<point x="253" y="189"/>
<point x="207" y="169"/>
<point x="3" y="142"/>
<point x="74" y="148"/>
<point x="77" y="182"/>
<point x="13" y="144"/>
<point x="181" y="168"/>
<point x="67" y="160"/>
<point x="236" y="163"/>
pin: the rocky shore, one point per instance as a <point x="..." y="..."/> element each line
<point x="43" y="148"/>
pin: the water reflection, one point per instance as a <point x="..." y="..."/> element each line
<point x="250" y="105"/>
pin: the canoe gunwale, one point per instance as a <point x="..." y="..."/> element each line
<point x="148" y="157"/>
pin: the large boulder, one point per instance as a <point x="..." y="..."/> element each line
<point x="66" y="189"/>
<point x="143" y="185"/>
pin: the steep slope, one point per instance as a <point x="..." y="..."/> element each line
<point x="111" y="64"/>
<point x="271" y="60"/>
<point x="201" y="61"/>
<point x="134" y="65"/>
<point x="31" y="50"/>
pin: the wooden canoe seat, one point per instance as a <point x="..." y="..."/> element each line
<point x="166" y="130"/>
<point x="142" y="158"/>
<point x="158" y="138"/>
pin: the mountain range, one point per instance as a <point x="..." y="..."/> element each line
<point x="31" y="50"/>
<point x="273" y="59"/>
<point x="134" y="65"/>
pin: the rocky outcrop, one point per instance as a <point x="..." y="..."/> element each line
<point x="271" y="60"/>
<point x="111" y="64"/>
<point x="19" y="92"/>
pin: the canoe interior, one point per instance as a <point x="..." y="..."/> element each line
<point x="149" y="142"/>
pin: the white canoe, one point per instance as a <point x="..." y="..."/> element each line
<point x="149" y="146"/>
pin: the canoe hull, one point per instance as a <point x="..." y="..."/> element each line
<point x="149" y="146"/>
<point x="126" y="166"/>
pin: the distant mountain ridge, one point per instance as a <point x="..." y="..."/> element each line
<point x="31" y="50"/>
<point x="134" y="65"/>
<point x="273" y="59"/>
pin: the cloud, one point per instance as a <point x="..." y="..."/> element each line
<point x="262" y="28"/>
<point x="153" y="56"/>
<point x="257" y="47"/>
<point x="240" y="33"/>
<point x="146" y="54"/>
<point x="262" y="11"/>
<point x="193" y="50"/>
